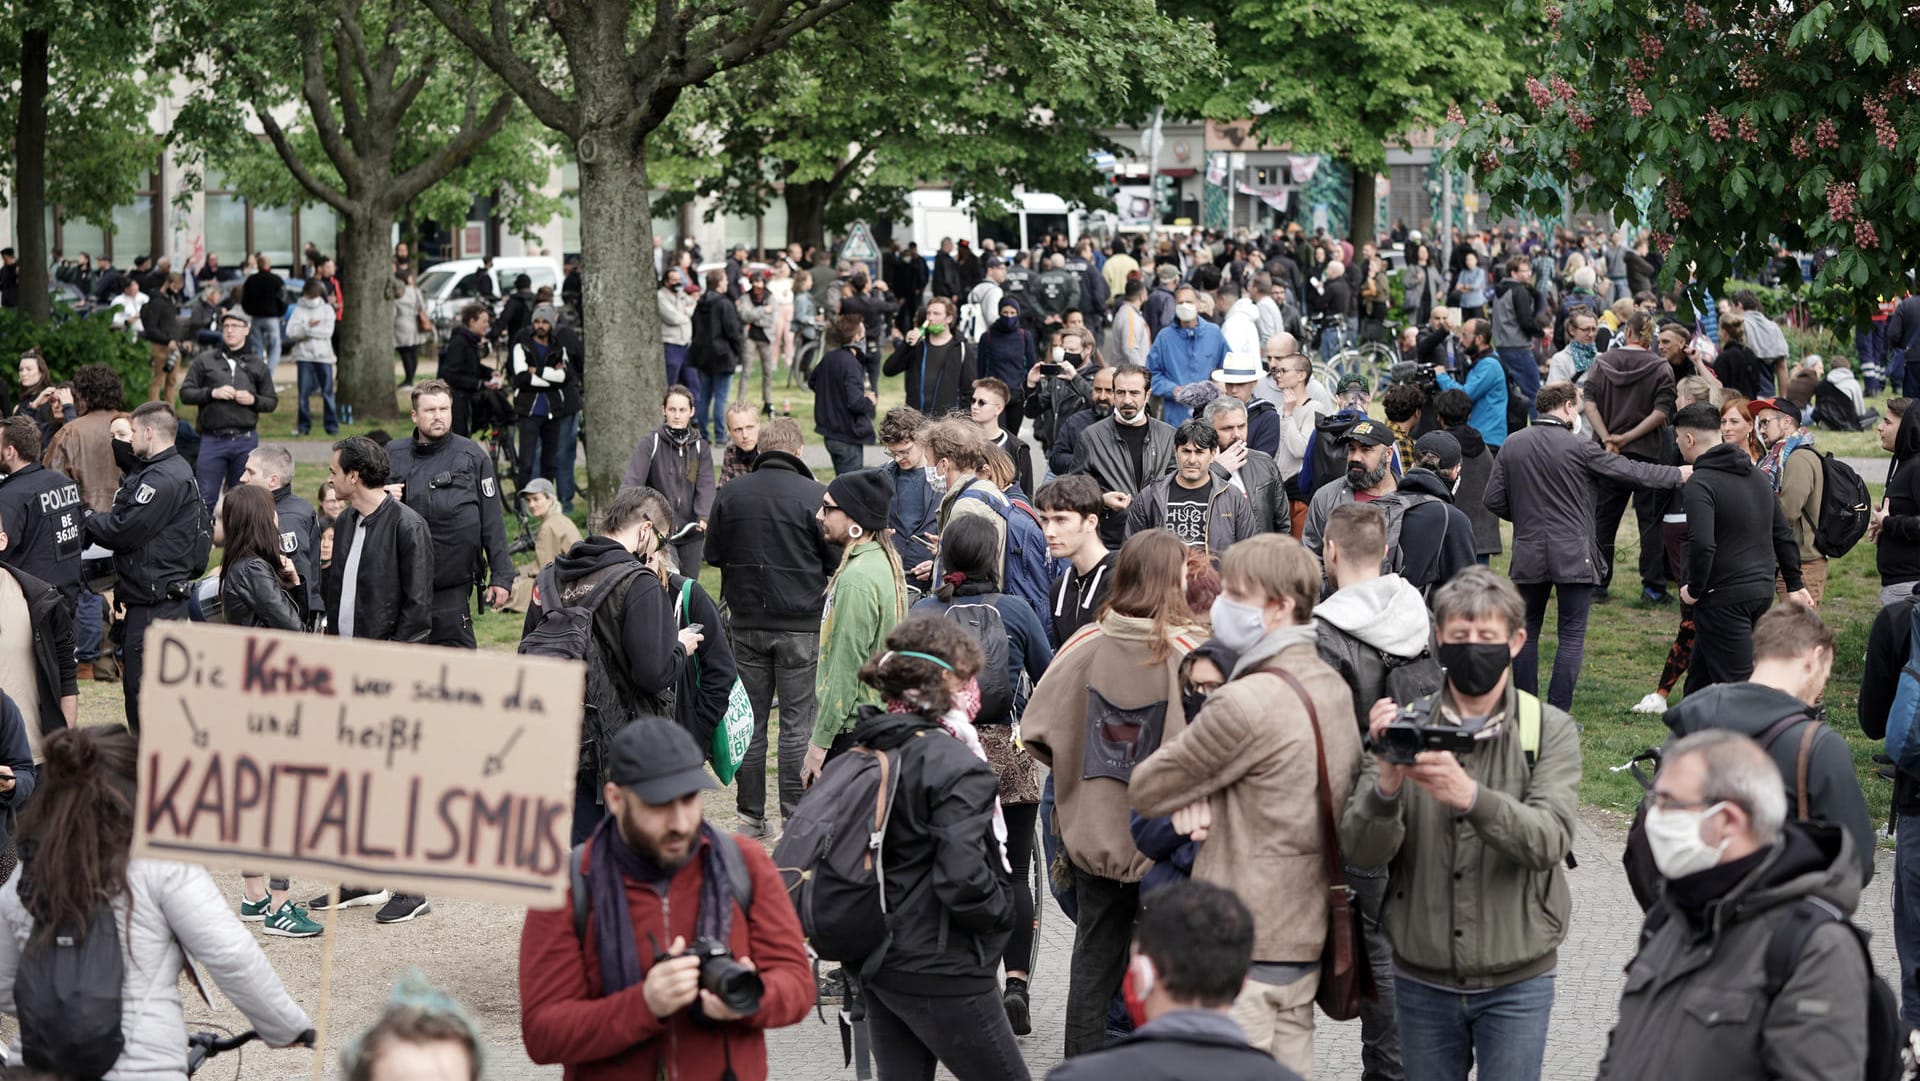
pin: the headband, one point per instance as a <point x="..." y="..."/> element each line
<point x="891" y="654"/>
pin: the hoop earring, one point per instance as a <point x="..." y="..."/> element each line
<point x="855" y="531"/>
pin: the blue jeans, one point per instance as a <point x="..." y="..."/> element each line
<point x="1576" y="601"/>
<point x="1906" y="912"/>
<point x="677" y="365"/>
<point x="221" y="461"/>
<point x="1525" y="371"/>
<point x="86" y="626"/>
<point x="846" y="457"/>
<point x="1444" y="1033"/>
<point x="569" y="450"/>
<point x="316" y="379"/>
<point x="711" y="401"/>
<point x="266" y="338"/>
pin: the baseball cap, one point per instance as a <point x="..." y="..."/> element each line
<point x="994" y="261"/>
<point x="658" y="761"/>
<point x="540" y="486"/>
<point x="1442" y="445"/>
<point x="1354" y="383"/>
<point x="1370" y="432"/>
<point x="237" y="316"/>
<point x="1761" y="405"/>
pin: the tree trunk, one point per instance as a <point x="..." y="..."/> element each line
<point x="365" y="369"/>
<point x="625" y="368"/>
<point x="1364" y="217"/>
<point x="30" y="175"/>
<point x="807" y="211"/>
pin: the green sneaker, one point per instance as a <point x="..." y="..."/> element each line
<point x="292" y="922"/>
<point x="255" y="911"/>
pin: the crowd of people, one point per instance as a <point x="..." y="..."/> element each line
<point x="1219" y="656"/>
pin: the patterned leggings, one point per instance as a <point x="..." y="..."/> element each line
<point x="1680" y="654"/>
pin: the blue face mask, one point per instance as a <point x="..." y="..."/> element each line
<point x="1007" y="322"/>
<point x="1236" y="626"/>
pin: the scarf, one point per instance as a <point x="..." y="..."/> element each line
<point x="1774" y="462"/>
<point x="1582" y="354"/>
<point x="958" y="721"/>
<point x="612" y="864"/>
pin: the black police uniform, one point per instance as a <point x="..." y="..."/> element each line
<point x="450" y="482"/>
<point x="160" y="536"/>
<point x="297" y="540"/>
<point x="42" y="514"/>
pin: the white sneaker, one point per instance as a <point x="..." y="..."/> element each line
<point x="1652" y="703"/>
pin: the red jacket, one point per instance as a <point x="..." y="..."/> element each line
<point x="564" y="1019"/>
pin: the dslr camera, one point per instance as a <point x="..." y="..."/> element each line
<point x="1413" y="731"/>
<point x="734" y="984"/>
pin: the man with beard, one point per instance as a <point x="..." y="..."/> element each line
<point x="1204" y="510"/>
<point x="1099" y="407"/>
<point x="450" y="482"/>
<point x="596" y="995"/>
<point x="1125" y="452"/>
<point x="1369" y="445"/>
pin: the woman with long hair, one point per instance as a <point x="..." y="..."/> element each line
<point x="970" y="552"/>
<point x="41" y="400"/>
<point x="75" y="844"/>
<point x="934" y="999"/>
<point x="254" y="579"/>
<point x="677" y="461"/>
<point x="1735" y="426"/>
<point x="1110" y="697"/>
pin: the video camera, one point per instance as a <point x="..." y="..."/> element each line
<point x="1413" y="731"/>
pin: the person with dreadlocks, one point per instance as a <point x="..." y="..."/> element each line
<point x="865" y="598"/>
<point x="935" y="999"/>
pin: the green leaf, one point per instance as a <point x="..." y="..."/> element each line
<point x="1859" y="272"/>
<point x="1868" y="42"/>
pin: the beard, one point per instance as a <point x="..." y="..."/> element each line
<point x="1360" y="478"/>
<point x="652" y="848"/>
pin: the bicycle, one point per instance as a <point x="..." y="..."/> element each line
<point x="202" y="1046"/>
<point x="497" y="440"/>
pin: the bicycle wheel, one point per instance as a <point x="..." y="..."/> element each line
<point x="506" y="465"/>
<point x="1041" y="894"/>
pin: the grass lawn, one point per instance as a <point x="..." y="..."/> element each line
<point x="1626" y="641"/>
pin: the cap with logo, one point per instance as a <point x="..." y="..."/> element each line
<point x="1369" y="432"/>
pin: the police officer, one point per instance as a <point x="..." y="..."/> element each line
<point x="41" y="511"/>
<point x="160" y="536"/>
<point x="270" y="466"/>
<point x="232" y="387"/>
<point x="450" y="482"/>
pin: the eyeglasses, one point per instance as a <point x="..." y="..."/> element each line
<point x="985" y="401"/>
<point x="826" y="506"/>
<point x="1666" y="802"/>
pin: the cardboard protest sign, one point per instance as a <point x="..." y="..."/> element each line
<point x="438" y="771"/>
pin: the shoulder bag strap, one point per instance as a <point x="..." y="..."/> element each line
<point x="1329" y="825"/>
<point x="1800" y="767"/>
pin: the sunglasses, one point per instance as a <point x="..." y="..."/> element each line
<point x="985" y="401"/>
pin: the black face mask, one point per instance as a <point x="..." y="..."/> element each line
<point x="1070" y="359"/>
<point x="125" y="458"/>
<point x="1008" y="322"/>
<point x="1190" y="703"/>
<point x="1474" y="668"/>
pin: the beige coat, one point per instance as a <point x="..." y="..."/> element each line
<point x="1112" y="657"/>
<point x="1250" y="755"/>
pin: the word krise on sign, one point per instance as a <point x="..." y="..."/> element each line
<point x="420" y="768"/>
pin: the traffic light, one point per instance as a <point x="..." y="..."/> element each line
<point x="1163" y="194"/>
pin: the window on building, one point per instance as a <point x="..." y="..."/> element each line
<point x="226" y="217"/>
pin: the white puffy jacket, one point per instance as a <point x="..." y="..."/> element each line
<point x="173" y="905"/>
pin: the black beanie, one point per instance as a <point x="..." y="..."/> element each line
<point x="866" y="496"/>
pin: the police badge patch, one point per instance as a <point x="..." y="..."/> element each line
<point x="488" y="488"/>
<point x="288" y="543"/>
<point x="144" y="495"/>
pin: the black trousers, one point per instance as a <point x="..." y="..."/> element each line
<point x="452" y="618"/>
<point x="134" y="650"/>
<point x="1649" y="506"/>
<point x="1102" y="936"/>
<point x="1723" y="641"/>
<point x="539" y="450"/>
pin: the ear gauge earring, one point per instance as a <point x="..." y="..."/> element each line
<point x="855" y="531"/>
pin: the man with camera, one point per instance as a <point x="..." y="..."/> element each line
<point x="677" y="948"/>
<point x="1469" y="797"/>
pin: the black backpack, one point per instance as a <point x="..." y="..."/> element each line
<point x="833" y="861"/>
<point x="1846" y="507"/>
<point x="66" y="994"/>
<point x="1887" y="1034"/>
<point x="982" y="620"/>
<point x="582" y="624"/>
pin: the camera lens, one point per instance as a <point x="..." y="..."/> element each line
<point x="734" y="984"/>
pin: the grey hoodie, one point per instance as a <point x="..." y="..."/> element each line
<point x="1387" y="617"/>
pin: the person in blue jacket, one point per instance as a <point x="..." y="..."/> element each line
<point x="1184" y="354"/>
<point x="1486" y="384"/>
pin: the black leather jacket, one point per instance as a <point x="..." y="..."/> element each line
<point x="394" y="597"/>
<point x="251" y="596"/>
<point x="53" y="659"/>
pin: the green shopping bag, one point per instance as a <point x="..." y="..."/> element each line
<point x="735" y="730"/>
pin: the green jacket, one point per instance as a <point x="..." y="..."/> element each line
<point x="1479" y="899"/>
<point x="864" y="601"/>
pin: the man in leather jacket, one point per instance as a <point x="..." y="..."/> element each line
<point x="386" y="547"/>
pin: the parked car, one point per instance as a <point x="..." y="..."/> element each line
<point x="437" y="283"/>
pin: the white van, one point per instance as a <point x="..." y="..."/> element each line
<point x="437" y="283"/>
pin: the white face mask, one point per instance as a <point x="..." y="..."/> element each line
<point x="1678" y="848"/>
<point x="1236" y="626"/>
<point x="1186" y="313"/>
<point x="1059" y="354"/>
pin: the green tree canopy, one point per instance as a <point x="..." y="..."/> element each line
<point x="1754" y="126"/>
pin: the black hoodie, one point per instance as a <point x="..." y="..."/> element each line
<point x="648" y="632"/>
<point x="1833" y="788"/>
<point x="1899" y="549"/>
<point x="1737" y="535"/>
<point x="1436" y="539"/>
<point x="1476" y="469"/>
<point x="949" y="895"/>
